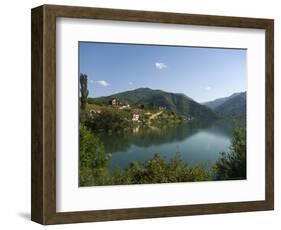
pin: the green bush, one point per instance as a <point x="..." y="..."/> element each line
<point x="108" y="120"/>
<point x="157" y="170"/>
<point x="92" y="158"/>
<point x="233" y="165"/>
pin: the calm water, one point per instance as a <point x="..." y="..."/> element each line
<point x="196" y="143"/>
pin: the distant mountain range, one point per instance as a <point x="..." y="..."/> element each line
<point x="234" y="105"/>
<point x="217" y="102"/>
<point x="177" y="102"/>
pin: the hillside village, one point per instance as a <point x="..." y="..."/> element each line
<point x="129" y="116"/>
<point x="136" y="113"/>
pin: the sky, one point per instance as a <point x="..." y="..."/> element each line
<point x="203" y="74"/>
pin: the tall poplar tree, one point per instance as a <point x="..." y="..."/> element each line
<point x="84" y="90"/>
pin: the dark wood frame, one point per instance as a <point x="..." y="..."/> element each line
<point x="43" y="188"/>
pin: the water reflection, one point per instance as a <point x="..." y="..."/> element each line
<point x="196" y="142"/>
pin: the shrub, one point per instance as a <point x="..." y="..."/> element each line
<point x="157" y="170"/>
<point x="233" y="165"/>
<point x="92" y="158"/>
<point x="108" y="120"/>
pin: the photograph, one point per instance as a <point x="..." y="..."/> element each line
<point x="152" y="114"/>
<point x="141" y="114"/>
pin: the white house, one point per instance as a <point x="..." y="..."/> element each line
<point x="135" y="117"/>
<point x="162" y="108"/>
<point x="125" y="106"/>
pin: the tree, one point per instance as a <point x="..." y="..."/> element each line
<point x="159" y="170"/>
<point x="92" y="159"/>
<point x="84" y="90"/>
<point x="233" y="165"/>
<point x="108" y="120"/>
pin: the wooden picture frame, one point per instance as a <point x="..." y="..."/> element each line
<point x="43" y="207"/>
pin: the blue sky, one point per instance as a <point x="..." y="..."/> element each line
<point x="201" y="73"/>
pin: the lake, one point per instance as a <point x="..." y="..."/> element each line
<point x="196" y="143"/>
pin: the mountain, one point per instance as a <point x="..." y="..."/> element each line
<point x="177" y="102"/>
<point x="217" y="102"/>
<point x="234" y="105"/>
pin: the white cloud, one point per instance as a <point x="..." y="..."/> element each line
<point x="160" y="65"/>
<point x="130" y="83"/>
<point x="103" y="83"/>
<point x="208" y="88"/>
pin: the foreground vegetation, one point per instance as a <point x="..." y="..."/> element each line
<point x="94" y="164"/>
<point x="233" y="164"/>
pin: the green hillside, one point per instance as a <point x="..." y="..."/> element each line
<point x="148" y="98"/>
<point x="217" y="102"/>
<point x="235" y="106"/>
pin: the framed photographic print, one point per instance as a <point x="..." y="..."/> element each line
<point x="141" y="114"/>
